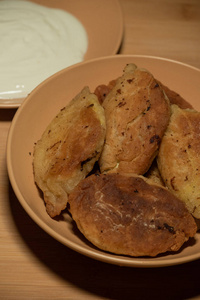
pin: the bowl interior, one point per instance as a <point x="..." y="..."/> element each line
<point x="45" y="102"/>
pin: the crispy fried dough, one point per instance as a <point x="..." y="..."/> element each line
<point x="137" y="114"/>
<point x="179" y="157"/>
<point x="127" y="215"/>
<point x="175" y="98"/>
<point x="103" y="90"/>
<point x="68" y="149"/>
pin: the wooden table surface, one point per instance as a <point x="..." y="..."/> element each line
<point x="35" y="266"/>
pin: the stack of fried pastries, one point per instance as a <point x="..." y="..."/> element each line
<point x="106" y="156"/>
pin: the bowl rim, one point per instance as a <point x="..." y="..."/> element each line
<point x="101" y="256"/>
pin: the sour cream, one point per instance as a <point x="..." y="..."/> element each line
<point x="36" y="42"/>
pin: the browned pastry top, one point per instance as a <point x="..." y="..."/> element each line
<point x="179" y="157"/>
<point x="68" y="149"/>
<point x="175" y="98"/>
<point x="137" y="114"/>
<point x="127" y="215"/>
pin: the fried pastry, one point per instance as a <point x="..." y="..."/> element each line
<point x="68" y="149"/>
<point x="179" y="157"/>
<point x="103" y="90"/>
<point x="175" y="98"/>
<point x="127" y="215"/>
<point x="137" y="114"/>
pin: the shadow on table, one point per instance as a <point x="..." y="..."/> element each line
<point x="104" y="280"/>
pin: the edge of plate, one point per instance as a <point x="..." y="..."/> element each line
<point x="16" y="102"/>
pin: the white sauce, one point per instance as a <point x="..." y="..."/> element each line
<point x="35" y="42"/>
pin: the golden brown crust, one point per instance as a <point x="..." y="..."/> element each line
<point x="68" y="149"/>
<point x="103" y="90"/>
<point x="137" y="114"/>
<point x="179" y="157"/>
<point x="127" y="215"/>
<point x="175" y="98"/>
